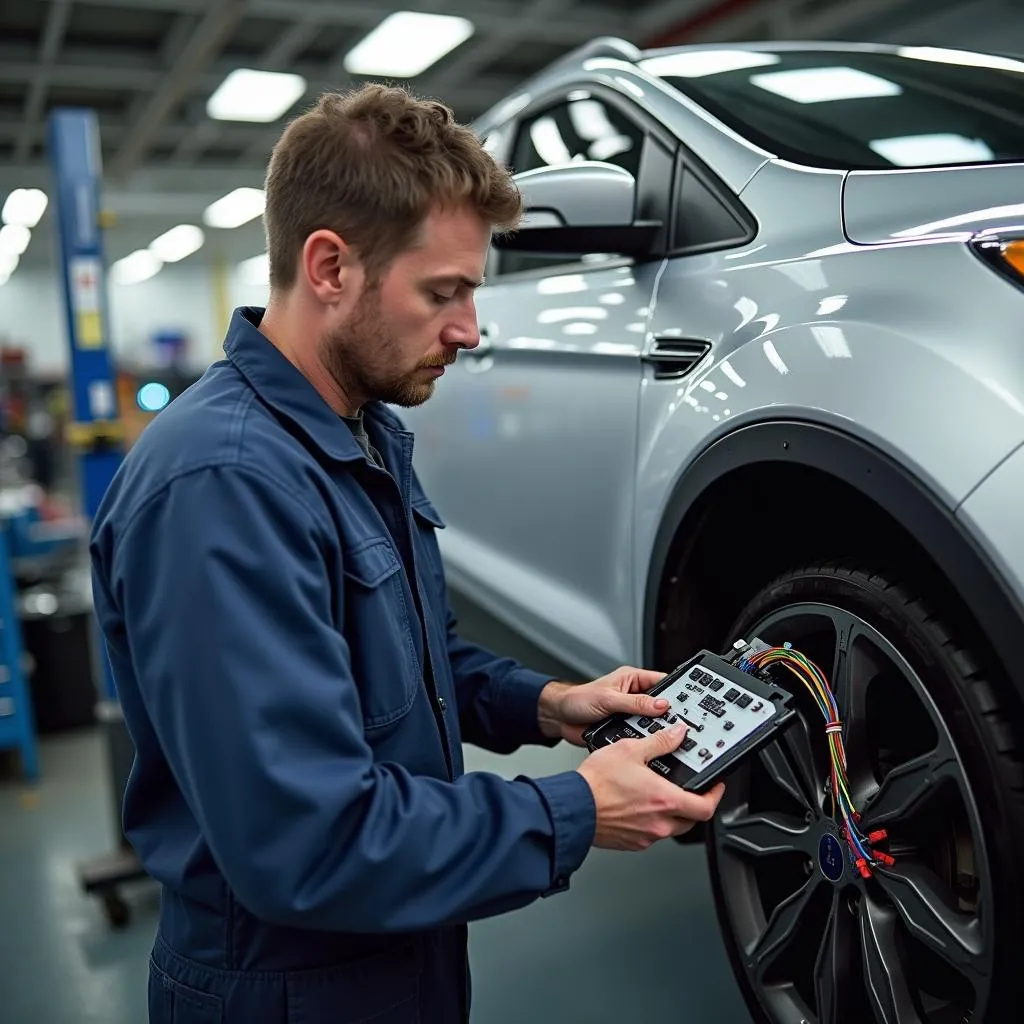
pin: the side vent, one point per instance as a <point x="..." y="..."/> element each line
<point x="673" y="358"/>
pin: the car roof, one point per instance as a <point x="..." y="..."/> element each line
<point x="610" y="47"/>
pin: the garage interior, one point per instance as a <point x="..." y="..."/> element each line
<point x="637" y="936"/>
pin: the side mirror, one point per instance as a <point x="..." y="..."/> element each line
<point x="579" y="208"/>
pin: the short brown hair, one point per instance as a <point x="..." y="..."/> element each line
<point x="371" y="164"/>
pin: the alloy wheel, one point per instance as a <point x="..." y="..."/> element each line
<point x="819" y="943"/>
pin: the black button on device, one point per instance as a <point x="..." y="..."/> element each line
<point x="715" y="684"/>
<point x="655" y="727"/>
<point x="744" y="700"/>
<point x="644" y="722"/>
<point x="671" y="719"/>
<point x="732" y="693"/>
<point x="681" y="696"/>
<point x="689" y="744"/>
<point x="720" y="743"/>
<point x="696" y="675"/>
<point x="727" y="725"/>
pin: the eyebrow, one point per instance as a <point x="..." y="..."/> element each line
<point x="469" y="282"/>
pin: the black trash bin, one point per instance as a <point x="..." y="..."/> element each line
<point x="56" y="622"/>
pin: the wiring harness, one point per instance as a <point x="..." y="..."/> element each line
<point x="865" y="856"/>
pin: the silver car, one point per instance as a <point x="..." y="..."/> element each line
<point x="755" y="366"/>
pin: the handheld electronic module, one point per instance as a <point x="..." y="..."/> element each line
<point x="730" y="714"/>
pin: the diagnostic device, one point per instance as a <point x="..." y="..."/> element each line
<point x="731" y="712"/>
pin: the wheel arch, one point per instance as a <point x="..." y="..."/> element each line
<point x="725" y="515"/>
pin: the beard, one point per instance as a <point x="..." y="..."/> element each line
<point x="364" y="359"/>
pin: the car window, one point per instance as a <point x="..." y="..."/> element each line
<point x="580" y="127"/>
<point x="859" y="109"/>
<point x="703" y="219"/>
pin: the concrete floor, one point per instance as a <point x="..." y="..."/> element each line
<point x="657" y="956"/>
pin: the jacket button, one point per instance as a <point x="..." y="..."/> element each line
<point x="442" y="703"/>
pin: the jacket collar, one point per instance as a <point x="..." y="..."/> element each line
<point x="283" y="387"/>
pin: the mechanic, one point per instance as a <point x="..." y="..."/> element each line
<point x="272" y="597"/>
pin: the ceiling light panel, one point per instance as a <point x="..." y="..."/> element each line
<point x="136" y="267"/>
<point x="406" y="43"/>
<point x="179" y="242"/>
<point x="234" y="209"/>
<point x="14" y="239"/>
<point x="24" y="206"/>
<point x="248" y="95"/>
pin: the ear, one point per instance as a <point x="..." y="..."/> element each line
<point x="330" y="266"/>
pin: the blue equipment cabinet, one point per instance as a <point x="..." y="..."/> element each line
<point x="17" y="725"/>
<point x="97" y="432"/>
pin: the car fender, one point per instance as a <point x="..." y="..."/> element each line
<point x="854" y="402"/>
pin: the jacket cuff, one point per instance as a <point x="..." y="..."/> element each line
<point x="570" y="802"/>
<point x="518" y="702"/>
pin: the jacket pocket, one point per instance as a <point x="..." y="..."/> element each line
<point x="173" y="1002"/>
<point x="381" y="989"/>
<point x="378" y="623"/>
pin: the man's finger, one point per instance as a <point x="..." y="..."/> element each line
<point x="700" y="806"/>
<point x="662" y="742"/>
<point x="634" y="704"/>
<point x="647" y="678"/>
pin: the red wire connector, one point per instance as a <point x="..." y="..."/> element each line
<point x="862" y="867"/>
<point x="885" y="858"/>
<point x="878" y="836"/>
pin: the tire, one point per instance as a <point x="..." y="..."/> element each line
<point x="920" y="713"/>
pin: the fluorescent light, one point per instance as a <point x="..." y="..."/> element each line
<point x="406" y="43"/>
<point x="176" y="244"/>
<point x="14" y="238"/>
<point x="255" y="270"/>
<point x="24" y="206"/>
<point x="247" y="95"/>
<point x="822" y="85"/>
<point x="937" y="148"/>
<point x="234" y="209"/>
<point x="135" y="267"/>
<point x="699" y="63"/>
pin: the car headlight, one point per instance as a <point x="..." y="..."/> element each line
<point x="1005" y="255"/>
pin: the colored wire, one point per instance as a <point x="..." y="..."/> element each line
<point x="815" y="682"/>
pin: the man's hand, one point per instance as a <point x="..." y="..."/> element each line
<point x="635" y="806"/>
<point x="565" y="709"/>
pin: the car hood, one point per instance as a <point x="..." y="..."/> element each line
<point x="886" y="206"/>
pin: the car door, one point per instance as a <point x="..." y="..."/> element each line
<point x="537" y="464"/>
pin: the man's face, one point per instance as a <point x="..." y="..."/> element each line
<point x="404" y="330"/>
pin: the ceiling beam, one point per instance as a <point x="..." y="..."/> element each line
<point x="279" y="56"/>
<point x="489" y="16"/>
<point x="206" y="41"/>
<point x="53" y="36"/>
<point x="471" y="59"/>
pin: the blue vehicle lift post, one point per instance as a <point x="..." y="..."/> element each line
<point x="17" y="722"/>
<point x="96" y="432"/>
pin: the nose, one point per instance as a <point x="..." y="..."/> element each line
<point x="463" y="330"/>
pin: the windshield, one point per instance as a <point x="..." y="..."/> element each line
<point x="913" y="107"/>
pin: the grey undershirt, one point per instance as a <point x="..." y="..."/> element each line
<point x="358" y="428"/>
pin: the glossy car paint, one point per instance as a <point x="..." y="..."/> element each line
<point x="554" y="454"/>
<point x="994" y="514"/>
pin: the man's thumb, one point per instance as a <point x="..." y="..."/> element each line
<point x="662" y="742"/>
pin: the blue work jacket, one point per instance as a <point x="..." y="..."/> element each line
<point x="276" y="617"/>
